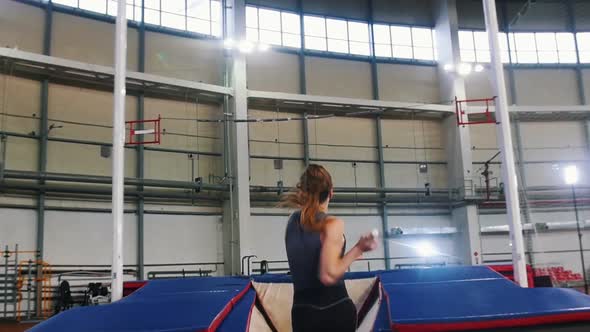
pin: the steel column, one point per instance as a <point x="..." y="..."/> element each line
<point x="374" y="72"/>
<point x="140" y="149"/>
<point x="523" y="185"/>
<point x="580" y="242"/>
<point x="303" y="82"/>
<point x="382" y="184"/>
<point x="505" y="144"/>
<point x="42" y="154"/>
<point x="573" y="29"/>
<point x="511" y="81"/>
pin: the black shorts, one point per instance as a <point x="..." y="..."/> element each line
<point x="339" y="316"/>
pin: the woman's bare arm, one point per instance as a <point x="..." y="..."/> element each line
<point x="332" y="266"/>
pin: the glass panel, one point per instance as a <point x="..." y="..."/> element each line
<point x="481" y="40"/>
<point x="252" y="34"/>
<point x="583" y="41"/>
<point x="525" y="41"/>
<point x="404" y="52"/>
<point x="337" y="45"/>
<point x="291" y="23"/>
<point x="314" y="26"/>
<point x="360" y="48"/>
<point x="216" y="15"/>
<point x="71" y="3"/>
<point x="251" y="17"/>
<point x="423" y="53"/>
<point x="291" y="40"/>
<point x="381" y="34"/>
<point x="216" y="29"/>
<point x="422" y="37"/>
<point x="526" y="56"/>
<point x="152" y="16"/>
<point x="565" y="41"/>
<point x="401" y="36"/>
<point x="504" y="56"/>
<point x="467" y="55"/>
<point x="315" y="43"/>
<point x="336" y="29"/>
<point x="173" y="21"/>
<point x="152" y="4"/>
<point x="111" y="7"/>
<point x="137" y="16"/>
<point x="383" y="50"/>
<point x="466" y="40"/>
<point x="483" y="55"/>
<point x="270" y="37"/>
<point x="548" y="57"/>
<point x="358" y="31"/>
<point x="269" y="19"/>
<point x="585" y="57"/>
<point x="94" y="5"/>
<point x="567" y="57"/>
<point x="199" y="9"/>
<point x="199" y="26"/>
<point x="173" y="6"/>
<point x="546" y="41"/>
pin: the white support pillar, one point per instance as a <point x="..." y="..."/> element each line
<point x="118" y="165"/>
<point x="458" y="140"/>
<point x="242" y="242"/>
<point x="505" y="144"/>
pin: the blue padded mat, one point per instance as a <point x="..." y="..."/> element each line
<point x="237" y="320"/>
<point x="477" y="300"/>
<point x="444" y="274"/>
<point x="161" y="305"/>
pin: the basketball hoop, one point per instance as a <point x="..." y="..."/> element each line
<point x="143" y="131"/>
<point x="478" y="118"/>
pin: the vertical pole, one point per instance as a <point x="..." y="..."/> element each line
<point x="374" y="72"/>
<point x="573" y="29"/>
<point x="42" y="157"/>
<point x="6" y="256"/>
<point x="505" y="143"/>
<point x="140" y="149"/>
<point x="384" y="210"/>
<point x="511" y="81"/>
<point x="3" y="147"/>
<point x="580" y="239"/>
<point x="303" y="82"/>
<point x="118" y="150"/>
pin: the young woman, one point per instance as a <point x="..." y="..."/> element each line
<point x="316" y="246"/>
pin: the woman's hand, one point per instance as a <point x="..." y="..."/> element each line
<point x="367" y="242"/>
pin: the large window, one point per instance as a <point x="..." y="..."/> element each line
<point x="525" y="47"/>
<point x="336" y="35"/>
<point x="584" y="46"/>
<point x="201" y="16"/>
<point x="274" y="27"/>
<point x="403" y="42"/>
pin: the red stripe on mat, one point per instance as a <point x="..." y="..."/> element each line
<point x="491" y="324"/>
<point x="227" y="309"/>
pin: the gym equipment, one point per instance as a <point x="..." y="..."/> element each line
<point x="459" y="298"/>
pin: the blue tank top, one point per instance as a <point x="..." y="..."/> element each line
<point x="303" y="252"/>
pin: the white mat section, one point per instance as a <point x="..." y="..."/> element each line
<point x="277" y="300"/>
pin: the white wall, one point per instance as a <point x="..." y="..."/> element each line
<point x="86" y="238"/>
<point x="18" y="226"/>
<point x="182" y="239"/>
